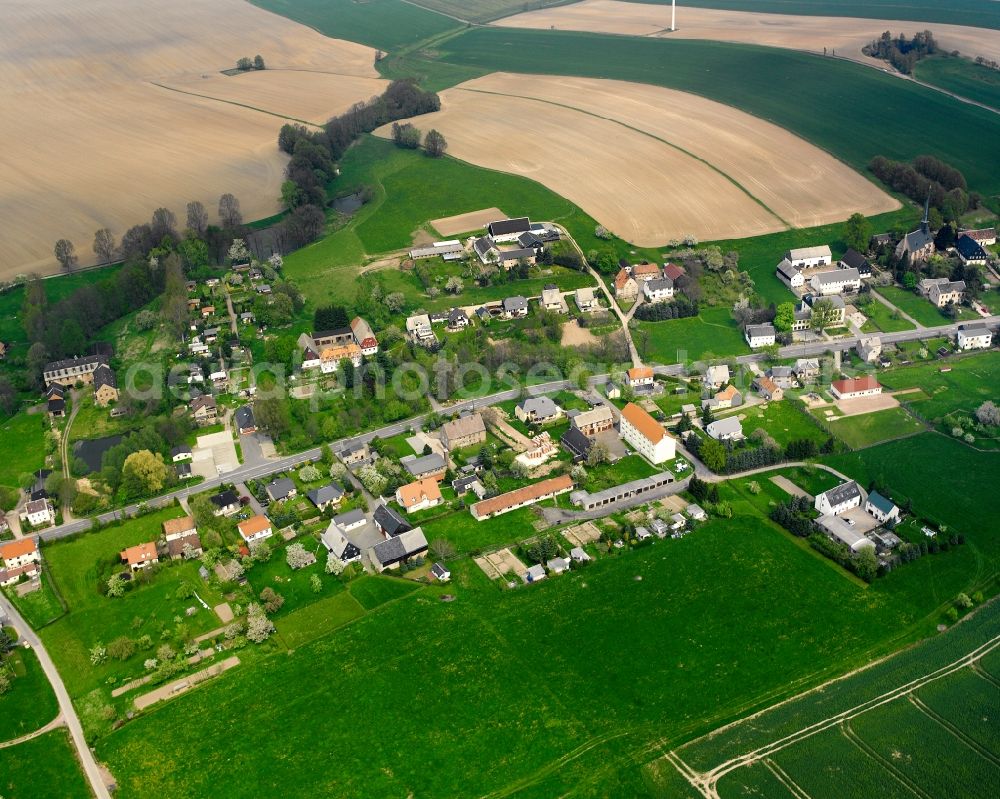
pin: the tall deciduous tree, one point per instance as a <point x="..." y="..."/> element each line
<point x="857" y="232"/>
<point x="197" y="218"/>
<point x="229" y="211"/>
<point x="435" y="143"/>
<point x="143" y="473"/>
<point x="104" y="245"/>
<point x="65" y="254"/>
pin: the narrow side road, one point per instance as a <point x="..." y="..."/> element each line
<point x="68" y="712"/>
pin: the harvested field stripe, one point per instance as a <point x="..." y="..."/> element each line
<point x="709" y="164"/>
<point x="240" y="105"/>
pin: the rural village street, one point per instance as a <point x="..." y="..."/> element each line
<point x="257" y="470"/>
<point x="68" y="712"/>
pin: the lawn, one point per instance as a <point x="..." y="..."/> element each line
<point x="622" y="649"/>
<point x="918" y="307"/>
<point x="782" y="421"/>
<point x="23" y="438"/>
<point x="957" y="12"/>
<point x="42" y="768"/>
<point x="963" y="77"/>
<point x="150" y="607"/>
<point x="608" y="475"/>
<point x="885" y="319"/>
<point x="373" y="591"/>
<point x="485" y="10"/>
<point x="39" y="607"/>
<point x="792" y="89"/>
<point x="711" y="334"/>
<point x="387" y="24"/>
<point x="30" y="702"/>
<point x="972" y="380"/>
<point x="873" y="428"/>
<point x="318" y="619"/>
<point x="410" y="190"/>
<point x="294" y="586"/>
<point x="470" y="536"/>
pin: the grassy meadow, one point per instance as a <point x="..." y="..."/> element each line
<point x="919" y="308"/>
<point x="385" y="24"/>
<point x="963" y="77"/>
<point x="868" y="429"/>
<point x="794" y="90"/>
<point x="42" y="768"/>
<point x="780" y="420"/>
<point x="711" y="334"/>
<point x="24" y="446"/>
<point x="592" y="658"/>
<point x="30" y="702"/>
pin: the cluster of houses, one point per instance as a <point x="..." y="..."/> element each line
<point x="386" y="540"/>
<point x="180" y="540"/>
<point x="88" y="370"/>
<point x="325" y="350"/>
<point x="506" y="243"/>
<point x="851" y="517"/>
<point x="653" y="283"/>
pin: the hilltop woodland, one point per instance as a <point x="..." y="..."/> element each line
<point x="901" y="52"/>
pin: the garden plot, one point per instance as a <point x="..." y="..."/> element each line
<point x="497" y="564"/>
<point x="465" y="223"/>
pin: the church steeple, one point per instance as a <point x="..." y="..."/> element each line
<point x="925" y="222"/>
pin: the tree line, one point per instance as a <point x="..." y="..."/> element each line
<point x="314" y="154"/>
<point x="928" y="177"/>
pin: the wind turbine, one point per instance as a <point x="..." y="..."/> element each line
<point x="673" y="15"/>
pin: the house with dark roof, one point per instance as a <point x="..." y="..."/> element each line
<point x="245" y="422"/>
<point x="350" y="520"/>
<point x="72" y="370"/>
<point x="389" y="554"/>
<point x="836" y="281"/>
<point x="57" y="403"/>
<point x="881" y="508"/>
<point x="470" y="482"/>
<point x="181" y="453"/>
<point x="325" y="496"/>
<point x="225" y="503"/>
<point x="537" y="410"/>
<point x="485" y="249"/>
<point x="789" y="274"/>
<point x="974" y="336"/>
<point x="440" y="572"/>
<point x="431" y="465"/>
<point x="971" y="251"/>
<point x="105" y="386"/>
<point x="465" y="431"/>
<point x="338" y="545"/>
<point x="388" y="522"/>
<point x="508" y="259"/>
<point x="355" y="453"/>
<point x="529" y="241"/>
<point x="854" y="260"/>
<point x="508" y="229"/>
<point x="760" y="335"/>
<point x="839" y="499"/>
<point x="204" y="410"/>
<point x="576" y="443"/>
<point x="282" y="488"/>
<point x="458" y="319"/>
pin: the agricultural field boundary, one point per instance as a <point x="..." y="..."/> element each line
<point x="706" y="782"/>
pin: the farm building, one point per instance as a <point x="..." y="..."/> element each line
<point x="971" y="251"/>
<point x="854" y="260"/>
<point x="594" y="421"/>
<point x="620" y="493"/>
<point x="522" y="497"/>
<point x="985" y="237"/>
<point x="463" y="432"/>
<point x="389" y="554"/>
<point x="790" y="275"/>
<point x="881" y="508"/>
<point x="438" y="249"/>
<point x="508" y="229"/>
<point x="808" y="257"/>
<point x="836" y="281"/>
<point x="839" y="499"/>
<point x="760" y="335"/>
<point x="854" y="387"/>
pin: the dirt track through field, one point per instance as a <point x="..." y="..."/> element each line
<point x="846" y="35"/>
<point x="680" y="165"/>
<point x="465" y="223"/>
<point x="90" y="137"/>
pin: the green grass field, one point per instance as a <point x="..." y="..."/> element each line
<point x="468" y="535"/>
<point x="711" y="334"/>
<point x="794" y="90"/>
<point x="971" y="381"/>
<point x="956" y="12"/>
<point x="781" y="420"/>
<point x="963" y="77"/>
<point x="24" y="446"/>
<point x="42" y="768"/>
<point x="564" y="667"/>
<point x="885" y="319"/>
<point x="920" y="308"/>
<point x="386" y="24"/>
<point x="411" y="190"/>
<point x="874" y="428"/>
<point x="39" y="607"/>
<point x="30" y="702"/>
<point x="486" y="10"/>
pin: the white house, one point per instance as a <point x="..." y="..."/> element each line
<point x="645" y="434"/>
<point x="716" y="376"/>
<point x="728" y="429"/>
<point x="39" y="512"/>
<point x="836" y="281"/>
<point x="790" y="275"/>
<point x="882" y="509"/>
<point x="869" y="349"/>
<point x="807" y="257"/>
<point x="760" y="335"/>
<point x="659" y="289"/>
<point x="840" y="499"/>
<point x="18" y="557"/>
<point x="974" y="336"/>
<point x="586" y="300"/>
<point x="639" y="378"/>
<point x="552" y="300"/>
<point x="508" y="229"/>
<point x="255" y="529"/>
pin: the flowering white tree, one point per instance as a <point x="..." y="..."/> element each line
<point x="309" y="474"/>
<point x="259" y="626"/>
<point x="337" y="470"/>
<point x="315" y="583"/>
<point x="238" y="251"/>
<point x="98" y="654"/>
<point x="116" y="585"/>
<point x="150" y="664"/>
<point x="276" y="261"/>
<point x="988" y="413"/>
<point x="296" y="556"/>
<point x="372" y="479"/>
<point x="334" y="565"/>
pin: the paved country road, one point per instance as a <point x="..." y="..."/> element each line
<point x="66" y="708"/>
<point x="252" y="471"/>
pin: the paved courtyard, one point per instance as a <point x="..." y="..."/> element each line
<point x="214" y="454"/>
